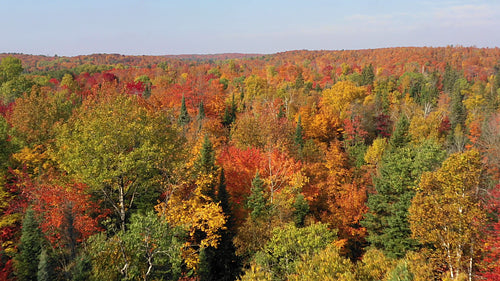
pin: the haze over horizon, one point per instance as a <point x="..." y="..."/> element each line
<point x="153" y="27"/>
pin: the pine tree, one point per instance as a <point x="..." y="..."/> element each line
<point x="221" y="263"/>
<point x="256" y="201"/>
<point x="299" y="80"/>
<point x="46" y="267"/>
<point x="450" y="77"/>
<point x="82" y="268"/>
<point x="206" y="159"/>
<point x="28" y="257"/>
<point x="201" y="111"/>
<point x="229" y="114"/>
<point x="301" y="209"/>
<point x="457" y="108"/>
<point x="205" y="168"/>
<point x="184" y="118"/>
<point x="400" y="135"/>
<point x="367" y="75"/>
<point x="398" y="175"/>
<point x="223" y="199"/>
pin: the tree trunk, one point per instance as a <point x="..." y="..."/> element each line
<point x="122" y="207"/>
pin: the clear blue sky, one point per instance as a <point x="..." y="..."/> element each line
<point x="155" y="27"/>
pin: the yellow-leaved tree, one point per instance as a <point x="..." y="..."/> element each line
<point x="337" y="99"/>
<point x="192" y="205"/>
<point x="200" y="217"/>
<point x="446" y="213"/>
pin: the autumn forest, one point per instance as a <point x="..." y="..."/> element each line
<point x="380" y="164"/>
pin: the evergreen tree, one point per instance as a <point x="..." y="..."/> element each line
<point x="221" y="263"/>
<point x="400" y="135"/>
<point x="201" y="115"/>
<point x="223" y="199"/>
<point x="256" y="201"/>
<point x="367" y="75"/>
<point x="398" y="175"/>
<point x="82" y="269"/>
<point x="457" y="108"/>
<point x="46" y="267"/>
<point x="205" y="167"/>
<point x="301" y="209"/>
<point x="206" y="159"/>
<point x="299" y="80"/>
<point x="28" y="258"/>
<point x="229" y="114"/>
<point x="184" y="118"/>
<point x="281" y="112"/>
<point x="201" y="111"/>
<point x="449" y="78"/>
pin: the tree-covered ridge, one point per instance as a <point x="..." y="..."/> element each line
<point x="353" y="165"/>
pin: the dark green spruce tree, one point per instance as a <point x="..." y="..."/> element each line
<point x="301" y="210"/>
<point x="201" y="111"/>
<point x="229" y="114"/>
<point x="400" y="137"/>
<point x="46" y="266"/>
<point x="257" y="202"/>
<point x="221" y="263"/>
<point x="28" y="257"/>
<point x="367" y="75"/>
<point x="205" y="165"/>
<point x="398" y="175"/>
<point x="184" y="117"/>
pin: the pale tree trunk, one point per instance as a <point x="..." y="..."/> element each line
<point x="122" y="207"/>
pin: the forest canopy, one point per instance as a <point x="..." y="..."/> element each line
<point x="379" y="164"/>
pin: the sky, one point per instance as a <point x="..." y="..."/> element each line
<point x="155" y="27"/>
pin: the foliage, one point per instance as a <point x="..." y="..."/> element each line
<point x="119" y="149"/>
<point x="149" y="250"/>
<point x="446" y="212"/>
<point x="398" y="175"/>
<point x="342" y="138"/>
<point x="328" y="264"/>
<point x="200" y="217"/>
<point x="27" y="259"/>
<point x="282" y="253"/>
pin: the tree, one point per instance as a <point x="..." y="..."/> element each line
<point x="14" y="88"/>
<point x="119" y="149"/>
<point x="29" y="248"/>
<point x="10" y="68"/>
<point x="301" y="210"/>
<point x="458" y="113"/>
<point x="257" y="202"/>
<point x="337" y="99"/>
<point x="221" y="263"/>
<point x="449" y="78"/>
<point x="149" y="250"/>
<point x="205" y="164"/>
<point x="184" y="117"/>
<point x="398" y="175"/>
<point x="6" y="146"/>
<point x="328" y="264"/>
<point x="200" y="217"/>
<point x="283" y="252"/>
<point x="367" y="75"/>
<point x="491" y="259"/>
<point x="46" y="267"/>
<point x="400" y="135"/>
<point x="374" y="266"/>
<point x="35" y="115"/>
<point x="446" y="214"/>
